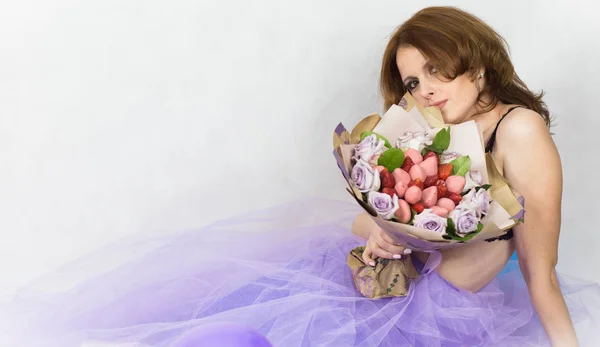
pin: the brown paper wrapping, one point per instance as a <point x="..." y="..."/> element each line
<point x="501" y="190"/>
<point x="388" y="278"/>
<point x="367" y="124"/>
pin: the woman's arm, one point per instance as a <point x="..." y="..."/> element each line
<point x="532" y="166"/>
<point x="363" y="225"/>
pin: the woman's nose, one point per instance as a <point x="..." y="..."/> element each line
<point x="427" y="89"/>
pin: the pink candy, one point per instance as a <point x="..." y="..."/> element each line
<point x="417" y="172"/>
<point x="430" y="196"/>
<point x="400" y="189"/>
<point x="440" y="211"/>
<point x="403" y="212"/>
<point x="401" y="176"/>
<point x="414" y="155"/>
<point x="455" y="184"/>
<point x="422" y="169"/>
<point x="429" y="166"/>
<point x="446" y="204"/>
<point x="413" y="195"/>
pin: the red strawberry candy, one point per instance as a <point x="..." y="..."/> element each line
<point x="387" y="180"/>
<point x="416" y="182"/>
<point x="442" y="190"/>
<point x="408" y="163"/>
<point x="444" y="171"/>
<point x="432" y="154"/>
<point x="389" y="191"/>
<point x="418" y="207"/>
<point x="431" y="181"/>
<point x="456" y="198"/>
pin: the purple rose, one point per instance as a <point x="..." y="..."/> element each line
<point x="473" y="179"/>
<point x="465" y="220"/>
<point x="383" y="204"/>
<point x="448" y="156"/>
<point x="369" y="149"/>
<point x="482" y="199"/>
<point x="416" y="140"/>
<point x="430" y="221"/>
<point x="479" y="201"/>
<point x="365" y="177"/>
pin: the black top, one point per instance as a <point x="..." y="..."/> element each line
<point x="492" y="140"/>
<point x="488" y="149"/>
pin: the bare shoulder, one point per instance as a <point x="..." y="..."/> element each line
<point x="524" y="131"/>
<point x="528" y="151"/>
<point x="522" y="123"/>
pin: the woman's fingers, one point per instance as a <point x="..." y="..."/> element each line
<point x="378" y="252"/>
<point x="368" y="256"/>
<point x="383" y="242"/>
<point x="381" y="245"/>
<point x="387" y="243"/>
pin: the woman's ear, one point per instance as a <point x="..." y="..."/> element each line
<point x="480" y="80"/>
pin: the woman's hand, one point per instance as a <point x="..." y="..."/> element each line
<point x="381" y="245"/>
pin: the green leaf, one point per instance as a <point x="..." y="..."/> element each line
<point x="452" y="234"/>
<point x="485" y="186"/>
<point x="468" y="236"/>
<point x="365" y="198"/>
<point x="461" y="165"/>
<point x="472" y="235"/>
<point x="369" y="133"/>
<point x="432" y="149"/>
<point x="413" y="213"/>
<point x="441" y="141"/>
<point x="451" y="229"/>
<point x="391" y="159"/>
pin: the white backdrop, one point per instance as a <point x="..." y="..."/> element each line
<point x="124" y="117"/>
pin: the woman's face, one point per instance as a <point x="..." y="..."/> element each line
<point x="456" y="99"/>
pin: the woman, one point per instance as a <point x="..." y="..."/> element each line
<point x="447" y="58"/>
<point x="282" y="274"/>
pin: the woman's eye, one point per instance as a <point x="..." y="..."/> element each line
<point x="412" y="85"/>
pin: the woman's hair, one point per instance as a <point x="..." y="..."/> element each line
<point x="456" y="43"/>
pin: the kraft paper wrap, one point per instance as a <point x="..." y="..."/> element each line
<point x="388" y="278"/>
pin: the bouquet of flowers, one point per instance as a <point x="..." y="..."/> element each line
<point x="418" y="182"/>
<point x="429" y="185"/>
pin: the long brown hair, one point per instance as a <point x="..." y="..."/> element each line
<point x="457" y="43"/>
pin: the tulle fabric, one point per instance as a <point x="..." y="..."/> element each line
<point x="282" y="272"/>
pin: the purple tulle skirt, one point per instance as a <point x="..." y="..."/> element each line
<point x="276" y="277"/>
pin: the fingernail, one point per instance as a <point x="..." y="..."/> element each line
<point x="407" y="251"/>
<point x="397" y="256"/>
<point x="372" y="263"/>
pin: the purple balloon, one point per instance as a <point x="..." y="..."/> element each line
<point x="222" y="334"/>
